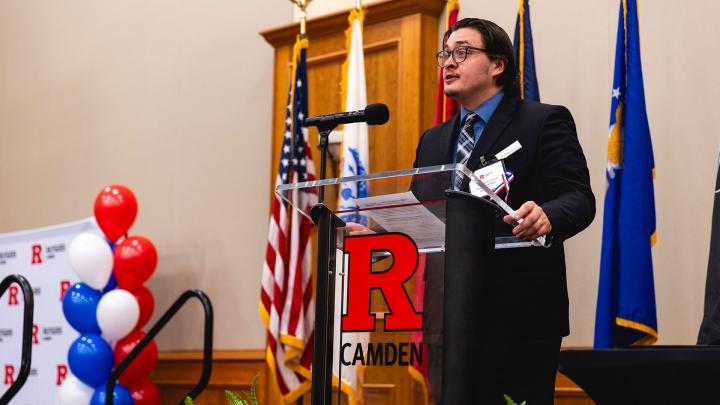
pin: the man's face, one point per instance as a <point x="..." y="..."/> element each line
<point x="471" y="81"/>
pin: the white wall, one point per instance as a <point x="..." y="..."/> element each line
<point x="173" y="99"/>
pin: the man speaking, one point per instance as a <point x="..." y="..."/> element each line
<point x="550" y="193"/>
<point x="528" y="306"/>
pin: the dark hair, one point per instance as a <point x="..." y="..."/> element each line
<point x="497" y="46"/>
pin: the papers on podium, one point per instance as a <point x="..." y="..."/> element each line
<point x="403" y="213"/>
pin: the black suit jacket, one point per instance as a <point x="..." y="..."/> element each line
<point x="529" y="299"/>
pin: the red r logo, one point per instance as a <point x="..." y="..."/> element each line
<point x="13" y="299"/>
<point x="35" y="332"/>
<point x="36" y="251"/>
<point x="9" y="371"/>
<point x="361" y="280"/>
<point x="64" y="286"/>
<point x="61" y="374"/>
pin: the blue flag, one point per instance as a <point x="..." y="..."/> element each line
<point x="524" y="55"/>
<point x="626" y="312"/>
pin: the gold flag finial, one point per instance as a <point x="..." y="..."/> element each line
<point x="303" y="4"/>
<point x="358" y="4"/>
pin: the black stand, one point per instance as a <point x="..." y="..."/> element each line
<point x="646" y="375"/>
<point x="27" y="335"/>
<point x="323" y="146"/>
<point x="469" y="250"/>
<point x="325" y="303"/>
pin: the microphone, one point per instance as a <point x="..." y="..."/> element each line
<point x="374" y="114"/>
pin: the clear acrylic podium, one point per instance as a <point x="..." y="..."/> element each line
<point x="451" y="230"/>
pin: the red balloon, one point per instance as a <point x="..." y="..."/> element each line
<point x="145" y="393"/>
<point x="147" y="305"/>
<point x="141" y="367"/>
<point x="135" y="261"/>
<point x="115" y="210"/>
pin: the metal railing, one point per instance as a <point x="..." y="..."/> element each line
<point x="207" y="345"/>
<point x="28" y="308"/>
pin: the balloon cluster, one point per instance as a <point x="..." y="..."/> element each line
<point x="109" y="306"/>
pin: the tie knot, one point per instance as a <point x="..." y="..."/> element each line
<point x="470" y="119"/>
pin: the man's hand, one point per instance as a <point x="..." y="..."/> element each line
<point x="535" y="222"/>
<point x="352" y="229"/>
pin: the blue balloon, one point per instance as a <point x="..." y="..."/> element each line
<point x="121" y="396"/>
<point x="91" y="359"/>
<point x="79" y="306"/>
<point x="111" y="285"/>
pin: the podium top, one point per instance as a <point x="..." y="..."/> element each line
<point x="343" y="192"/>
<point x="374" y="176"/>
<point x="410" y="201"/>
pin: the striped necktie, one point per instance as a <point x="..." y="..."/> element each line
<point x="466" y="143"/>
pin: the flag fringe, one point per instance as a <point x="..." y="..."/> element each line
<point x="300" y="44"/>
<point x="264" y="315"/>
<point x="420" y="378"/>
<point x="359" y="14"/>
<point x="293" y="395"/>
<point x="293" y="341"/>
<point x="652" y="335"/>
<point x="354" y="398"/>
<point x="354" y="13"/>
<point x="452" y="5"/>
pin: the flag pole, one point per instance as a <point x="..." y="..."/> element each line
<point x="323" y="145"/>
<point x="303" y="4"/>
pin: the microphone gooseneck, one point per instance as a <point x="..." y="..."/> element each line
<point x="374" y="114"/>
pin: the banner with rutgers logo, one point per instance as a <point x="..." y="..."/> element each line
<point x="39" y="255"/>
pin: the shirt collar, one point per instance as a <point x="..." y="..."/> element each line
<point x="486" y="109"/>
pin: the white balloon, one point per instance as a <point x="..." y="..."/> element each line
<point x="74" y="392"/>
<point x="117" y="314"/>
<point x="91" y="259"/>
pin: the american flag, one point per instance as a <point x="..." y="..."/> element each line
<point x="286" y="304"/>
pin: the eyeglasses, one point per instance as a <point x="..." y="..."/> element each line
<point x="458" y="54"/>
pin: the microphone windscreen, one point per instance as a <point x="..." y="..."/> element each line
<point x="377" y="114"/>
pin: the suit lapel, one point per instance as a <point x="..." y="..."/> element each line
<point x="494" y="128"/>
<point x="447" y="144"/>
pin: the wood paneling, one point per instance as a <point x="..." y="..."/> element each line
<point x="178" y="372"/>
<point x="400" y="40"/>
<point x="337" y="22"/>
<point x="568" y="393"/>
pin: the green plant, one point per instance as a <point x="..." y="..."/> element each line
<point x="235" y="398"/>
<point x="510" y="401"/>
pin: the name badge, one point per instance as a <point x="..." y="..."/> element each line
<point x="495" y="177"/>
<point x="514" y="147"/>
